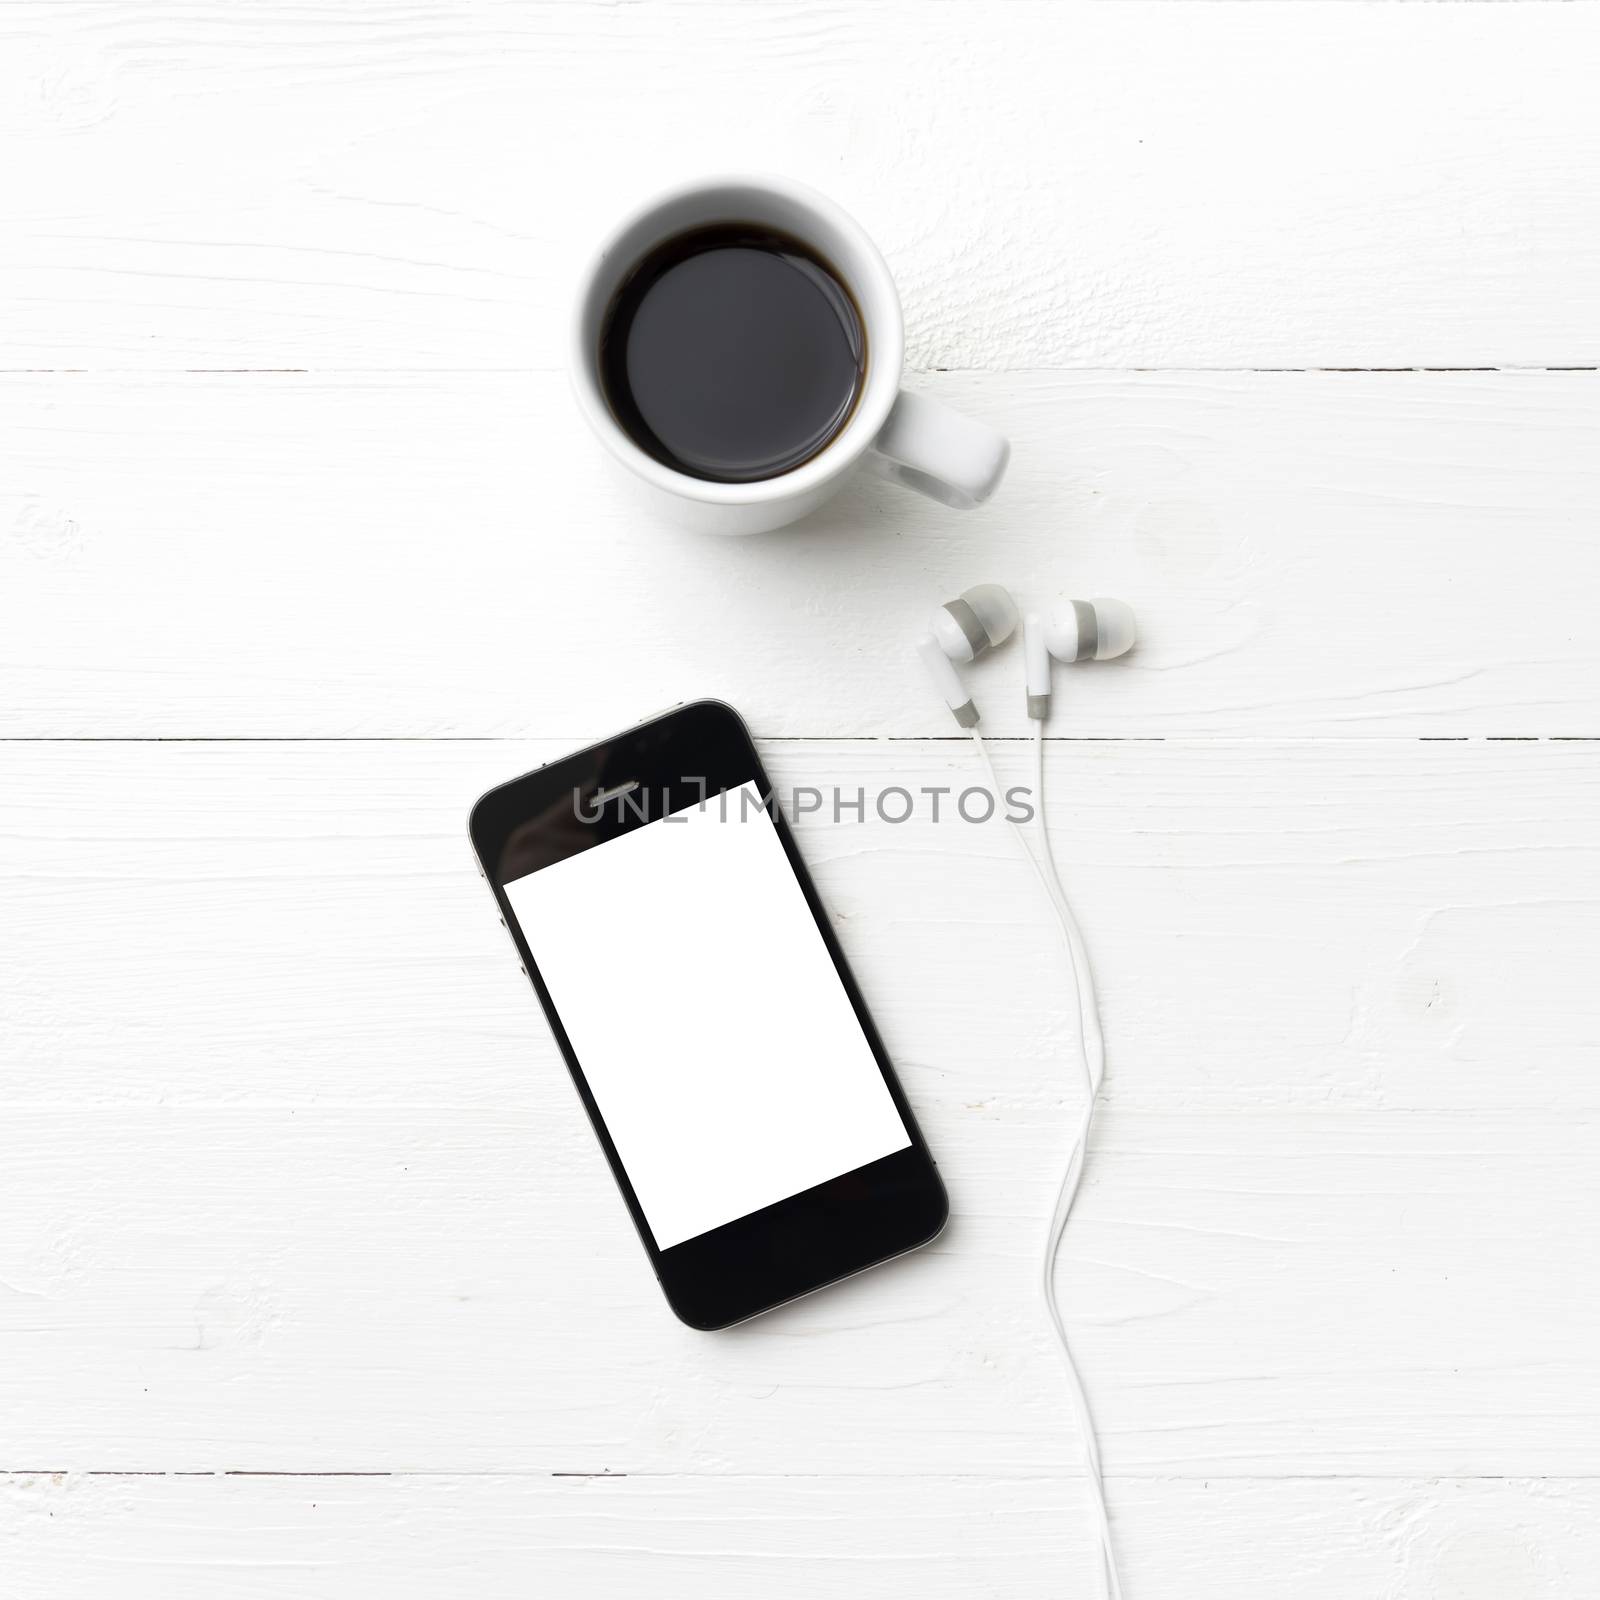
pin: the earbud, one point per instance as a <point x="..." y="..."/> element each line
<point x="1083" y="630"/>
<point x="962" y="630"/>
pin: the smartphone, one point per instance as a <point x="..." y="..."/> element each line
<point x="719" y="1044"/>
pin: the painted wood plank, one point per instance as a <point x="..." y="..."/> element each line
<point x="444" y="554"/>
<point x="95" y="1538"/>
<point x="295" y="1181"/>
<point x="405" y="185"/>
<point x="1368" y="926"/>
<point x="333" y="1288"/>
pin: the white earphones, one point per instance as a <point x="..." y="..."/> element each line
<point x="962" y="630"/>
<point x="1084" y="630"/>
<point x="982" y="617"/>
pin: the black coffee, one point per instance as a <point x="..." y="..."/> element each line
<point x="732" y="353"/>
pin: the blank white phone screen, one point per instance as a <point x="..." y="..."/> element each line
<point x="707" y="1016"/>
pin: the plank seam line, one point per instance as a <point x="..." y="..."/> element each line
<point x="815" y="1477"/>
<point x="478" y="371"/>
<point x="812" y="738"/>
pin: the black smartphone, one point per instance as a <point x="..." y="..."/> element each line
<point x="718" y="1041"/>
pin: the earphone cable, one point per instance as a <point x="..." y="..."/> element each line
<point x="1091" y="1055"/>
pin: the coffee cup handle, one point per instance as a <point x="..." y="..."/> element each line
<point x="937" y="451"/>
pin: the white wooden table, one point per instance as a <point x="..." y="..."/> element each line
<point x="312" y="1280"/>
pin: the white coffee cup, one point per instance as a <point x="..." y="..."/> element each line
<point x="903" y="436"/>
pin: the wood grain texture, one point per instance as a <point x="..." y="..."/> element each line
<point x="411" y="185"/>
<point x="1376" y="926"/>
<point x="292" y="1179"/>
<point x="290" y="1140"/>
<point x="416" y="1289"/>
<point x="446" y="554"/>
<point x="101" y="1538"/>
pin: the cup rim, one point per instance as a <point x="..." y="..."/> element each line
<point x="879" y="304"/>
